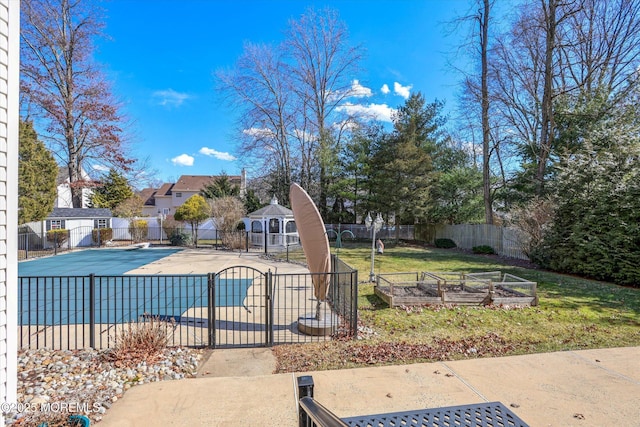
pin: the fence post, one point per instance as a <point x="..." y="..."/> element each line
<point x="269" y="304"/>
<point x="354" y="304"/>
<point x="246" y="241"/>
<point x="55" y="243"/>
<point x="305" y="389"/>
<point x="211" y="310"/>
<point x="92" y="311"/>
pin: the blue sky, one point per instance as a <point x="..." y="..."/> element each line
<point x="160" y="57"/>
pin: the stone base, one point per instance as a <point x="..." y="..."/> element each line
<point x="309" y="325"/>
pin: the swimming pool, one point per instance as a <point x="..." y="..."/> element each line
<point x="61" y="290"/>
<point x="92" y="261"/>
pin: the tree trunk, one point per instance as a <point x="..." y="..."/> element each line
<point x="486" y="175"/>
<point x="546" y="134"/>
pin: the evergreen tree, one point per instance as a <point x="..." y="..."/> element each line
<point x="37" y="174"/>
<point x="403" y="170"/>
<point x="113" y="190"/>
<point x="596" y="226"/>
<point x="251" y="201"/>
<point x="220" y="187"/>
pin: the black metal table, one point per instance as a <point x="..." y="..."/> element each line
<point x="491" y="414"/>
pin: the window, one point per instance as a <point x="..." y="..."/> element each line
<point x="291" y="227"/>
<point x="274" y="226"/>
<point x="56" y="224"/>
<point x="256" y="227"/>
<point x="178" y="195"/>
<point x="100" y="223"/>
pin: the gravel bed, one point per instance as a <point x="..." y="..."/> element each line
<point x="53" y="384"/>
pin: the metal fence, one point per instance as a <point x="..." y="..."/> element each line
<point x="237" y="307"/>
<point x="402" y="232"/>
<point x="34" y="244"/>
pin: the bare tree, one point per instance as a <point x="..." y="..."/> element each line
<point x="227" y="212"/>
<point x="483" y="19"/>
<point x="288" y="97"/>
<point x="476" y="92"/>
<point x="323" y="69"/>
<point x="563" y="61"/>
<point x="62" y="84"/>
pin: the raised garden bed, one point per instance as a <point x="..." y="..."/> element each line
<point x="429" y="288"/>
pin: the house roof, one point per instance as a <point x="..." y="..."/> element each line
<point x="272" y="209"/>
<point x="164" y="190"/>
<point x="147" y="196"/>
<point x="80" y="213"/>
<point x="197" y="182"/>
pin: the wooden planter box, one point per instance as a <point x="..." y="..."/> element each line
<point x="409" y="289"/>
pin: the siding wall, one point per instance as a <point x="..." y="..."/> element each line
<point x="9" y="115"/>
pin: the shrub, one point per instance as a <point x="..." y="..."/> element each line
<point x="445" y="243"/>
<point x="233" y="240"/>
<point x="143" y="341"/>
<point x="179" y="238"/>
<point x="139" y="230"/>
<point x="483" y="250"/>
<point x="106" y="234"/>
<point x="58" y="237"/>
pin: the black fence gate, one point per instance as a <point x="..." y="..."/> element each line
<point x="240" y="308"/>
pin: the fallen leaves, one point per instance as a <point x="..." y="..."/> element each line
<point x="345" y="354"/>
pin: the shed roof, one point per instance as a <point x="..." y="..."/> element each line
<point x="80" y="213"/>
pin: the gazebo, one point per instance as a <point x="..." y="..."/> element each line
<point x="273" y="224"/>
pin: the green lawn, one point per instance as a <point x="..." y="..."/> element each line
<point x="573" y="313"/>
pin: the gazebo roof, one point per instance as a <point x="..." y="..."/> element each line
<point x="272" y="209"/>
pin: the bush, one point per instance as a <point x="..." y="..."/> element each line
<point x="142" y="341"/>
<point x="483" y="250"/>
<point x="445" y="243"/>
<point x="106" y="234"/>
<point x="139" y="230"/>
<point x="58" y="237"/>
<point x="179" y="238"/>
<point x="233" y="240"/>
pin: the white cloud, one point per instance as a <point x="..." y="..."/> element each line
<point x="359" y="91"/>
<point x="217" y="154"/>
<point x="372" y="111"/>
<point x="385" y="89"/>
<point x="170" y="97"/>
<point x="183" y="160"/>
<point x="403" y="91"/>
<point x="259" y="133"/>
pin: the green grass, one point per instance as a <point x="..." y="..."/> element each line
<point x="573" y="313"/>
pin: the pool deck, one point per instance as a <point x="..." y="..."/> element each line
<point x="202" y="261"/>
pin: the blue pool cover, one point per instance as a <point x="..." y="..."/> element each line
<point x="55" y="290"/>
<point x="96" y="261"/>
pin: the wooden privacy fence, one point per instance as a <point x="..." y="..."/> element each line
<point x="505" y="241"/>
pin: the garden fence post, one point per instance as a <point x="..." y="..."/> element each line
<point x="269" y="308"/>
<point x="92" y="311"/>
<point x="211" y="285"/>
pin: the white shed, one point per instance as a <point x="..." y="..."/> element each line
<point x="79" y="222"/>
